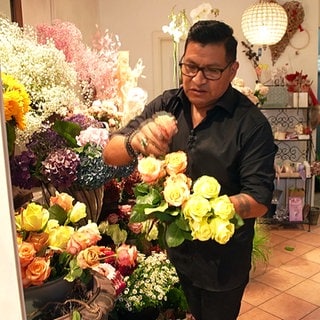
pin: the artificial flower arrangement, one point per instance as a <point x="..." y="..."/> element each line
<point x="178" y="28"/>
<point x="258" y="96"/>
<point x="51" y="244"/>
<point x="16" y="102"/>
<point x="297" y="82"/>
<point x="174" y="209"/>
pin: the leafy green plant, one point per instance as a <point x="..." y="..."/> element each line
<point x="261" y="246"/>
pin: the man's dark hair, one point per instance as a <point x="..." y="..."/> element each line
<point x="214" y="32"/>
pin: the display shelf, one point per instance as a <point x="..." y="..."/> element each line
<point x="297" y="152"/>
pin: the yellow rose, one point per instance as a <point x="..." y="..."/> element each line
<point x="78" y="212"/>
<point x="176" y="191"/>
<point x="64" y="200"/>
<point x="34" y="217"/>
<point x="59" y="237"/>
<point x="223" y="207"/>
<point x="222" y="230"/>
<point x="201" y="230"/>
<point x="196" y="207"/>
<point x="176" y="162"/>
<point x="207" y="186"/>
<point x="150" y="169"/>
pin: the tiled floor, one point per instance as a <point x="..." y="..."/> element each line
<point x="288" y="288"/>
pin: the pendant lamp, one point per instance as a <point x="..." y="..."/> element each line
<point x="264" y="23"/>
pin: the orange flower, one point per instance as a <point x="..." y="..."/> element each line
<point x="26" y="253"/>
<point x="38" y="271"/>
<point x="89" y="257"/>
<point x="64" y="200"/>
<point x="39" y="240"/>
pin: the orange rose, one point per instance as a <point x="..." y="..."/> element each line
<point x="64" y="200"/>
<point x="38" y="271"/>
<point x="26" y="252"/>
<point x="176" y="162"/>
<point x="89" y="257"/>
<point x="39" y="240"/>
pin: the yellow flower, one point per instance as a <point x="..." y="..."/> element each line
<point x="59" y="237"/>
<point x="78" y="212"/>
<point x="196" y="207"/>
<point x="223" y="207"/>
<point x="176" y="162"/>
<point x="222" y="230"/>
<point x="201" y="230"/>
<point x="33" y="218"/>
<point x="16" y="100"/>
<point x="207" y="187"/>
<point x="176" y="190"/>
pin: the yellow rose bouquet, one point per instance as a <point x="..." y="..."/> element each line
<point x="172" y="208"/>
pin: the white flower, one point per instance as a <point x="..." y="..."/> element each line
<point x="203" y="12"/>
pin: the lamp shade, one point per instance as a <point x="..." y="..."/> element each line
<point x="264" y="23"/>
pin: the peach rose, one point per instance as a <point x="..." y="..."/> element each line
<point x="38" y="271"/>
<point x="126" y="255"/>
<point x="62" y="199"/>
<point x="167" y="123"/>
<point x="176" y="162"/>
<point x="89" y="257"/>
<point x="26" y="252"/>
<point x="150" y="169"/>
<point x="39" y="240"/>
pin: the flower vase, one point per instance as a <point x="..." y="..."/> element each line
<point x="93" y="199"/>
<point x="145" y="314"/>
<point x="36" y="297"/>
<point x="49" y="300"/>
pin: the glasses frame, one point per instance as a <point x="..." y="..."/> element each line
<point x="203" y="70"/>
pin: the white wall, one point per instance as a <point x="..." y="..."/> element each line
<point x="136" y="21"/>
<point x="138" y="24"/>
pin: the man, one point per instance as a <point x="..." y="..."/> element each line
<point x="224" y="136"/>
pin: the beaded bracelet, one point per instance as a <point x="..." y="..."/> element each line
<point x="131" y="152"/>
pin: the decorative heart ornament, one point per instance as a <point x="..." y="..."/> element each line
<point x="295" y="14"/>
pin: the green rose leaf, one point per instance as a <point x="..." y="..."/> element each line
<point x="58" y="213"/>
<point x="174" y="235"/>
<point x="137" y="214"/>
<point x="68" y="130"/>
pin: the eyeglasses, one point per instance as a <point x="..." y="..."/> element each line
<point x="210" y="73"/>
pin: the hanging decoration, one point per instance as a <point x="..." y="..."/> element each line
<point x="295" y="14"/>
<point x="264" y="23"/>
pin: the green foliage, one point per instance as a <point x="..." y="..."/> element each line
<point x="261" y="248"/>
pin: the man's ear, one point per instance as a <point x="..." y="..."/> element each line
<point x="234" y="68"/>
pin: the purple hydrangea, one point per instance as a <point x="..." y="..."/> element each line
<point x="84" y="121"/>
<point x="43" y="142"/>
<point x="22" y="168"/>
<point x="60" y="168"/>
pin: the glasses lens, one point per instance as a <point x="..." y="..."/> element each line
<point x="212" y="74"/>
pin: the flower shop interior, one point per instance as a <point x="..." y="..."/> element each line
<point x="136" y="41"/>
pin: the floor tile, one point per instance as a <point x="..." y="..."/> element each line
<point x="280" y="279"/>
<point x="307" y="290"/>
<point x="287" y="307"/>
<point x="313" y="255"/>
<point x="258" y="314"/>
<point x="302" y="267"/>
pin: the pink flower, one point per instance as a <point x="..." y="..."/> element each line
<point x="98" y="136"/>
<point x="126" y="255"/>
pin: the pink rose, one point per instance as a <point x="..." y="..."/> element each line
<point x="126" y="255"/>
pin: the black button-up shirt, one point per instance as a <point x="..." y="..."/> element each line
<point x="234" y="144"/>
